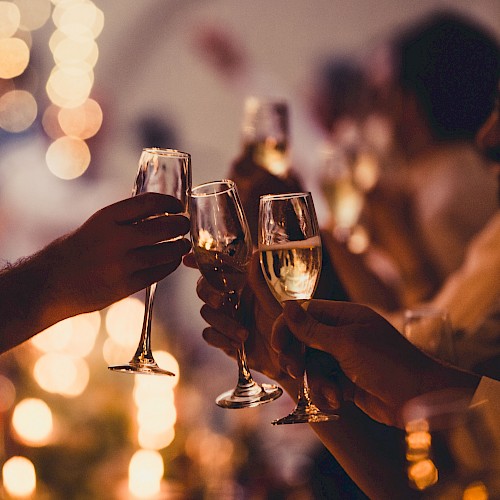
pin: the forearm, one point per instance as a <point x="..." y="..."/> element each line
<point x="372" y="454"/>
<point x="28" y="301"/>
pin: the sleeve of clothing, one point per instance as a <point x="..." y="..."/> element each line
<point x="471" y="295"/>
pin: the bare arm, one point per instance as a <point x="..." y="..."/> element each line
<point x="115" y="253"/>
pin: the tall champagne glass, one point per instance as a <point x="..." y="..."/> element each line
<point x="290" y="258"/>
<point x="222" y="247"/>
<point x="165" y="171"/>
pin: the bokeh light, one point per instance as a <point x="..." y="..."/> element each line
<point x="10" y="19"/>
<point x="75" y="49"/>
<point x="14" y="57"/>
<point x="75" y="336"/>
<point x="69" y="86"/>
<point x="7" y="393"/>
<point x="19" y="477"/>
<point x="159" y="415"/>
<point x="168" y="362"/>
<point x="124" y="321"/>
<point x="60" y="373"/>
<point x="34" y="13"/>
<point x="50" y="122"/>
<point x="83" y="121"/>
<point x="152" y="439"/>
<point x="145" y="473"/>
<point x="68" y="157"/>
<point x="18" y="110"/>
<point x="32" y="422"/>
<point x="423" y="474"/>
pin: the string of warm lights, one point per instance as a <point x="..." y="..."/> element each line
<point x="59" y="365"/>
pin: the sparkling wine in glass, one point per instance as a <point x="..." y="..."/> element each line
<point x="266" y="133"/>
<point x="223" y="248"/>
<point x="165" y="171"/>
<point x="290" y="258"/>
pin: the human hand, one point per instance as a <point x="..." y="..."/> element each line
<point x="257" y="313"/>
<point x="118" y="251"/>
<point x="383" y="369"/>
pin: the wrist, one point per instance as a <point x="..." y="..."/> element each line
<point x="439" y="376"/>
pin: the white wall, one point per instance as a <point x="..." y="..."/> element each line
<point x="147" y="62"/>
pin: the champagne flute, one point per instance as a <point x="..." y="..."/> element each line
<point x="265" y="133"/>
<point x="290" y="258"/>
<point x="222" y="247"/>
<point x="165" y="171"/>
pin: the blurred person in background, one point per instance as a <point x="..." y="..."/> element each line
<point x="440" y="76"/>
<point x="370" y="370"/>
<point x="438" y="62"/>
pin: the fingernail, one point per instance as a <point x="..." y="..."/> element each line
<point x="294" y="311"/>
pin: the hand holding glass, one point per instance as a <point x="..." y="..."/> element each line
<point x="290" y="257"/>
<point x="165" y="171"/>
<point x="222" y="247"/>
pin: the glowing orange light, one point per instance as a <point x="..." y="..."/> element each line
<point x="83" y="121"/>
<point x="14" y="57"/>
<point x="33" y="14"/>
<point x="10" y="18"/>
<point x="68" y="157"/>
<point x="50" y="122"/>
<point x="32" y="421"/>
<point x="18" y="110"/>
<point x="19" y="477"/>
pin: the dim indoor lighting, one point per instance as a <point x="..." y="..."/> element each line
<point x="145" y="473"/>
<point x="10" y="19"/>
<point x="14" y="57"/>
<point x="32" y="422"/>
<point x="19" y="477"/>
<point x="68" y="157"/>
<point x="124" y="321"/>
<point x="18" y="110"/>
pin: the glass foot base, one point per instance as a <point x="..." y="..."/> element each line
<point x="248" y="397"/>
<point x="307" y="414"/>
<point x="141" y="368"/>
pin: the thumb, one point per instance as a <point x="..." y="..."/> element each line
<point x="306" y="328"/>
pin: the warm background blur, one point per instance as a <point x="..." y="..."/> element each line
<point x="83" y="86"/>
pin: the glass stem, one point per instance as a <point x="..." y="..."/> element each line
<point x="232" y="301"/>
<point x="143" y="352"/>
<point x="303" y="398"/>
